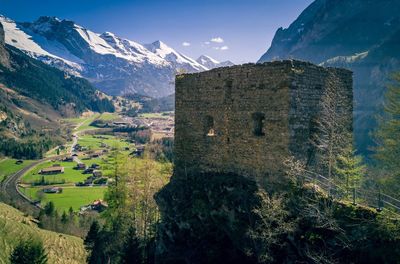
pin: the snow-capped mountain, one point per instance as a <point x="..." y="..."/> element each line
<point x="211" y="63"/>
<point x="113" y="64"/>
<point x="178" y="60"/>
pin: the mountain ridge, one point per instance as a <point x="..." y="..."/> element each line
<point x="113" y="64"/>
<point x="360" y="35"/>
<point x="211" y="63"/>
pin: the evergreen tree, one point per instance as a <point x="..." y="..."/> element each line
<point x="388" y="135"/>
<point x="93" y="244"/>
<point x="91" y="236"/>
<point x="49" y="209"/>
<point x="132" y="250"/>
<point x="349" y="170"/>
<point x="64" y="218"/>
<point x="29" y="252"/>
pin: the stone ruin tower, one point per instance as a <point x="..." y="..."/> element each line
<point x="248" y="119"/>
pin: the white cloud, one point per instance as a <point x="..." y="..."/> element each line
<point x="186" y="44"/>
<point x="207" y="42"/>
<point x="217" y="40"/>
<point x="221" y="48"/>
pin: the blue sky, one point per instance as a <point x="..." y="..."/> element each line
<point x="238" y="30"/>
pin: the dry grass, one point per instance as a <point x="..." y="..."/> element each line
<point x="14" y="227"/>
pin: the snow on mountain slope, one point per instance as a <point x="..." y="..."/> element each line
<point x="177" y="59"/>
<point x="96" y="43"/>
<point x="38" y="47"/>
<point x="131" y="50"/>
<point x="211" y="63"/>
<point x="113" y="64"/>
<point x="19" y="39"/>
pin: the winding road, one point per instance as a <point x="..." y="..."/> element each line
<point x="9" y="187"/>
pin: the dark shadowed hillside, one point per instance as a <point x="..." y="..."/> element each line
<point x="361" y="35"/>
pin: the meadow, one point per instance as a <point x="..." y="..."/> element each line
<point x="74" y="197"/>
<point x="8" y="167"/>
<point x="94" y="142"/>
<point x="70" y="176"/>
<point x="15" y="227"/>
<point x="83" y="123"/>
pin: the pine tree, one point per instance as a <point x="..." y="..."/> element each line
<point x="64" y="218"/>
<point x="91" y="236"/>
<point x="349" y="170"/>
<point x="29" y="252"/>
<point x="132" y="249"/>
<point x="49" y="209"/>
<point x="388" y="135"/>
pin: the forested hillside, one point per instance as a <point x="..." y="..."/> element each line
<point x="39" y="81"/>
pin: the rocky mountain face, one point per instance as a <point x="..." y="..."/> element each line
<point x="1" y="35"/>
<point x="211" y="63"/>
<point x="113" y="64"/>
<point x="3" y="54"/>
<point x="361" y="35"/>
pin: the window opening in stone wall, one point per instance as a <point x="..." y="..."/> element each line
<point x="209" y="126"/>
<point x="258" y="124"/>
<point x="228" y="90"/>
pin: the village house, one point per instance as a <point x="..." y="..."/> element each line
<point x="88" y="171"/>
<point x="138" y="151"/>
<point x="97" y="174"/>
<point x="52" y="170"/>
<point x="80" y="166"/>
<point x="99" y="205"/>
<point x="95" y="166"/>
<point x="53" y="190"/>
<point x="68" y="159"/>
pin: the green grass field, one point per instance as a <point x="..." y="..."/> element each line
<point x="109" y="116"/>
<point x="14" y="227"/>
<point x="155" y="115"/>
<point x="8" y="166"/>
<point x="70" y="176"/>
<point x="85" y="121"/>
<point x="94" y="142"/>
<point x="74" y="197"/>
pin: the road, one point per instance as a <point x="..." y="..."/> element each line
<point x="9" y="188"/>
<point x="75" y="138"/>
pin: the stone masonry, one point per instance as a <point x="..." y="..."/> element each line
<point x="248" y="119"/>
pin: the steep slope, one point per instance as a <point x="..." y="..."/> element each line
<point x="211" y="63"/>
<point x="361" y="35"/>
<point x="14" y="227"/>
<point x="33" y="98"/>
<point x="34" y="79"/>
<point x="114" y="65"/>
<point x="176" y="59"/>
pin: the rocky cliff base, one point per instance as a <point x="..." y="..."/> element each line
<point x="226" y="218"/>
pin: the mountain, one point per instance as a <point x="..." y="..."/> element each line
<point x="360" y="35"/>
<point x="211" y="63"/>
<point x="34" y="97"/>
<point x="176" y="59"/>
<point x="113" y="64"/>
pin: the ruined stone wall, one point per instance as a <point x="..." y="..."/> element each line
<point x="285" y="94"/>
<point x="308" y="86"/>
